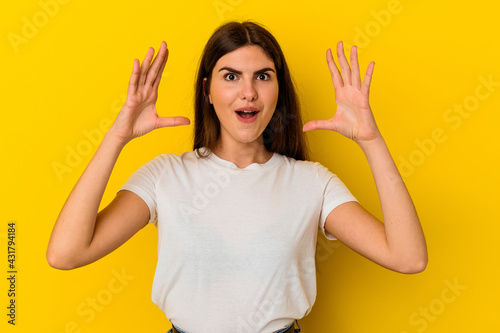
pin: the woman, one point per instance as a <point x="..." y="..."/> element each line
<point x="237" y="217"/>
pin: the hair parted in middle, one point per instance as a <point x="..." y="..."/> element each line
<point x="283" y="134"/>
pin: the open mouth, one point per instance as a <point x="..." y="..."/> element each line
<point x="247" y="114"/>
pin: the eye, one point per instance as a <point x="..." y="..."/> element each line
<point x="263" y="77"/>
<point x="230" y="77"/>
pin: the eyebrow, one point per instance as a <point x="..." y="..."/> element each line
<point x="260" y="71"/>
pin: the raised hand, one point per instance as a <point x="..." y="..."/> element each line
<point x="353" y="118"/>
<point x="138" y="116"/>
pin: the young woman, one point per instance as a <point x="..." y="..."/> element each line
<point x="238" y="216"/>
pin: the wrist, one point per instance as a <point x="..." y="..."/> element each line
<point x="374" y="147"/>
<point x="115" y="139"/>
<point x="372" y="143"/>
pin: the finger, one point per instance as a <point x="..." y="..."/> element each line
<point x="157" y="80"/>
<point x="344" y="65"/>
<point x="172" y="121"/>
<point x="145" y="65"/>
<point x="365" y="88"/>
<point x="157" y="64"/>
<point x="316" y="124"/>
<point x="334" y="71"/>
<point x="132" y="84"/>
<point x="356" y="79"/>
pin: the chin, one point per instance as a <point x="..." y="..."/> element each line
<point x="249" y="139"/>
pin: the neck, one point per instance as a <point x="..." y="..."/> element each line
<point x="243" y="154"/>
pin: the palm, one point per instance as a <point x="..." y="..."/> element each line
<point x="142" y="116"/>
<point x="139" y="115"/>
<point x="353" y="118"/>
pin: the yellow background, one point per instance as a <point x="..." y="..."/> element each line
<point x="63" y="81"/>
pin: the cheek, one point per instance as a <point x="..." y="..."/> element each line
<point x="271" y="96"/>
<point x="220" y="96"/>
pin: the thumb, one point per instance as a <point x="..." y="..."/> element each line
<point x="317" y="124"/>
<point x="171" y="121"/>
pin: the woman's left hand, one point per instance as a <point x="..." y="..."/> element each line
<point x="354" y="118"/>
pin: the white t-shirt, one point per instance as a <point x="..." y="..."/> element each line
<point x="236" y="246"/>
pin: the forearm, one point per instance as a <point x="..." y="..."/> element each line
<point x="74" y="228"/>
<point x="405" y="238"/>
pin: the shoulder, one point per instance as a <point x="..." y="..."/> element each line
<point x="307" y="169"/>
<point x="172" y="159"/>
<point x="304" y="166"/>
<point x="160" y="163"/>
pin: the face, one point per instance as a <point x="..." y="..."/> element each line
<point x="244" y="93"/>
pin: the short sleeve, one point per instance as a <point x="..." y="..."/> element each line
<point x="144" y="182"/>
<point x="335" y="193"/>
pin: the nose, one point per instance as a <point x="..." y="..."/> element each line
<point x="248" y="90"/>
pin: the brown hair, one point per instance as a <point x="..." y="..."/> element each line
<point x="283" y="134"/>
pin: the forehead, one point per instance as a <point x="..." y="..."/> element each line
<point x="249" y="57"/>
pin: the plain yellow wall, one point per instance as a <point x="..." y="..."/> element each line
<point x="435" y="94"/>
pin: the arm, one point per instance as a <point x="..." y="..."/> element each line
<point x="399" y="242"/>
<point x="81" y="235"/>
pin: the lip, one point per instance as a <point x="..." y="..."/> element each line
<point x="247" y="108"/>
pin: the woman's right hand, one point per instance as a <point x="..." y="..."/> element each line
<point x="138" y="115"/>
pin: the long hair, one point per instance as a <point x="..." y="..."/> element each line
<point x="283" y="134"/>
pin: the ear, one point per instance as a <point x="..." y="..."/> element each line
<point x="204" y="90"/>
